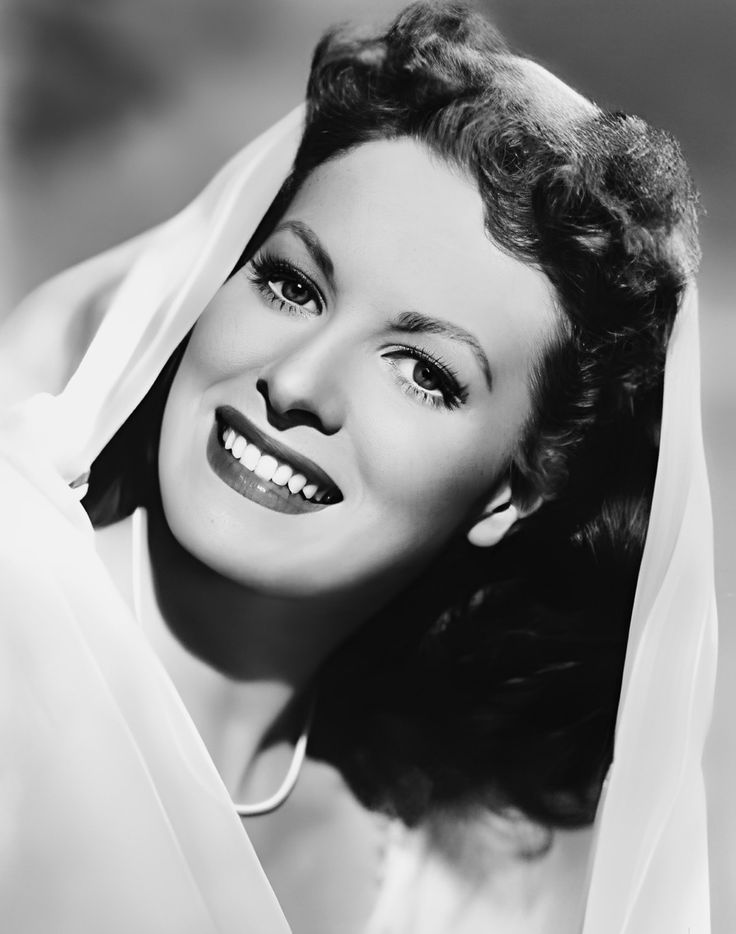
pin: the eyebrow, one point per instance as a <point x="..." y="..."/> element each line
<point x="412" y="322"/>
<point x="315" y="249"/>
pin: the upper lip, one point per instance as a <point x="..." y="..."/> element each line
<point x="281" y="452"/>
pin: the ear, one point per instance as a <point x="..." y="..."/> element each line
<point x="498" y="516"/>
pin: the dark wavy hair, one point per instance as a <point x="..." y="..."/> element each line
<point x="494" y="678"/>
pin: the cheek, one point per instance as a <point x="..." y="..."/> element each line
<point x="432" y="469"/>
<point x="435" y="470"/>
<point x="231" y="334"/>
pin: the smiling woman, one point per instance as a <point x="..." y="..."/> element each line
<point x="363" y="372"/>
<point x="376" y="422"/>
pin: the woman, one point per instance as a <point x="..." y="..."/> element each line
<point x="406" y="455"/>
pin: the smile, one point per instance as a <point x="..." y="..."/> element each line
<point x="264" y="470"/>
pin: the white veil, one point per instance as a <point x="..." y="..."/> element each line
<point x="649" y="870"/>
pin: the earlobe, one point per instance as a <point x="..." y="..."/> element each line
<point x="490" y="529"/>
<point x="497" y="519"/>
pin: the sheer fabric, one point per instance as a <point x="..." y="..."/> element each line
<point x="113" y="816"/>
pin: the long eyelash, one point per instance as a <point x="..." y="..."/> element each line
<point x="454" y="393"/>
<point x="264" y="267"/>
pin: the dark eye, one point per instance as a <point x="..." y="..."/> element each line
<point x="426" y="376"/>
<point x="419" y="375"/>
<point x="285" y="285"/>
<point x="422" y="375"/>
<point x="294" y="291"/>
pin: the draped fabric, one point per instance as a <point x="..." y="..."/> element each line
<point x="650" y="870"/>
<point x="112" y="815"/>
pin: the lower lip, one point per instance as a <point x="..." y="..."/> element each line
<point x="252" y="487"/>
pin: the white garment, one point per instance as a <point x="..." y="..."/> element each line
<point x="112" y="816"/>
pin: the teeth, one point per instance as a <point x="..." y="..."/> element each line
<point x="251" y="457"/>
<point x="266" y="467"/>
<point x="297" y="482"/>
<point x="238" y="446"/>
<point x="282" y="475"/>
<point x="325" y="496"/>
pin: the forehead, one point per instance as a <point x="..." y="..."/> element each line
<point x="402" y="223"/>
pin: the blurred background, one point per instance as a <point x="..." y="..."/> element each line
<point x="116" y="112"/>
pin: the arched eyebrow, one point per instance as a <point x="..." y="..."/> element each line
<point x="412" y="322"/>
<point x="315" y="249"/>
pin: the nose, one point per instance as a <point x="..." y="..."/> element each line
<point x="302" y="386"/>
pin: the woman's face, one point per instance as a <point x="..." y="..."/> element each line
<point x="378" y="348"/>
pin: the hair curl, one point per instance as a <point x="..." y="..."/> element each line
<point x="509" y="695"/>
<point x="495" y="677"/>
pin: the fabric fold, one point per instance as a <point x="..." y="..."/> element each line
<point x="102" y="825"/>
<point x="667" y="693"/>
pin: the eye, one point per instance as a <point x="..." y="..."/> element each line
<point x="420" y="372"/>
<point x="284" y="285"/>
<point x="294" y="292"/>
<point x="422" y="375"/>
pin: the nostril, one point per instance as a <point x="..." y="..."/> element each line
<point x="282" y="413"/>
<point x="262" y="387"/>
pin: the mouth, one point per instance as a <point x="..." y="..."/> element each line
<point x="264" y="470"/>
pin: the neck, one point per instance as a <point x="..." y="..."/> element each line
<point x="242" y="661"/>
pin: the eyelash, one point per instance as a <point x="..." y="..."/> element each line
<point x="454" y="394"/>
<point x="264" y="268"/>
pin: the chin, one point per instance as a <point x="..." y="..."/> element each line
<point x="248" y="553"/>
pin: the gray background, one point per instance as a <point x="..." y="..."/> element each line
<point x="115" y="112"/>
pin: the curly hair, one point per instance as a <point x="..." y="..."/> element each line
<point x="509" y="694"/>
<point x="495" y="676"/>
